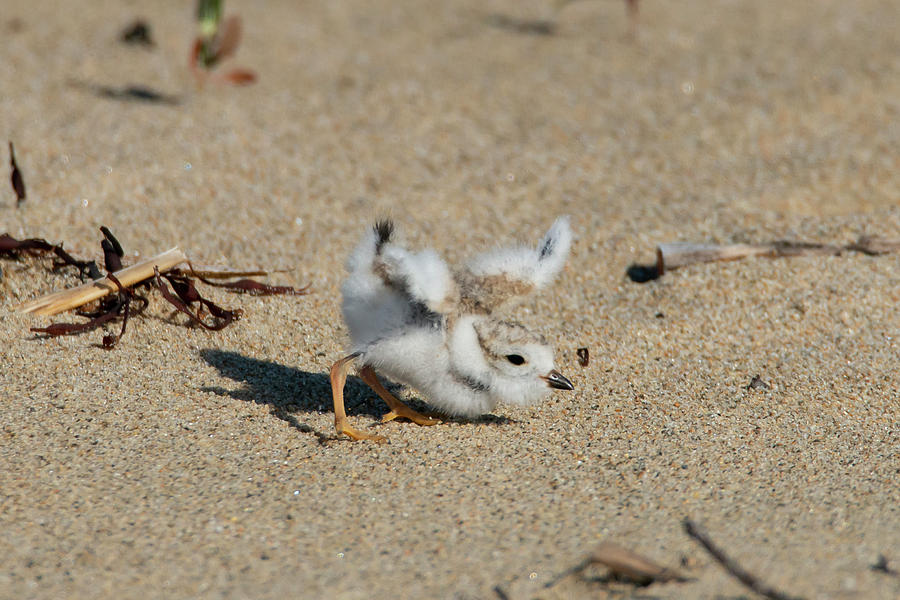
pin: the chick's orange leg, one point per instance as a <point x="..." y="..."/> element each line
<point x="341" y="424"/>
<point x="398" y="408"/>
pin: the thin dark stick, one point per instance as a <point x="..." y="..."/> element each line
<point x="734" y="569"/>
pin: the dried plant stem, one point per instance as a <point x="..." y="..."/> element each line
<point x="224" y="273"/>
<point x="63" y="300"/>
<point x="678" y="254"/>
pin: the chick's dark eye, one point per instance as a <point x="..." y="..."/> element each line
<point x="515" y="359"/>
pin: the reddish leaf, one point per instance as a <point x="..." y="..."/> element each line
<point x="240" y="76"/>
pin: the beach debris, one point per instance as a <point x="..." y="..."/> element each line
<point x="68" y="299"/>
<point x="112" y="250"/>
<point x="673" y="255"/>
<point x="115" y="292"/>
<point x="881" y="565"/>
<point x="15" y="177"/>
<point x="526" y="26"/>
<point x="249" y="286"/>
<point x="138" y="33"/>
<point x="631" y="7"/>
<point x="218" y="39"/>
<point x="623" y="565"/>
<point x="186" y="295"/>
<point x="135" y="93"/>
<point x="749" y="580"/>
<point x="548" y="27"/>
<point x="128" y="93"/>
<point x="757" y="383"/>
<point x="584" y="356"/>
<point x="109" y="309"/>
<point x="10" y="247"/>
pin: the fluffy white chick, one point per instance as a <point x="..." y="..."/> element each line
<point x="420" y="324"/>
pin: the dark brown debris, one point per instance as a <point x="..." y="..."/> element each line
<point x="524" y="26"/>
<point x="138" y="34"/>
<point x="881" y="566"/>
<point x="112" y="251"/>
<point x="10" y="247"/>
<point x="15" y="177"/>
<point x="255" y="288"/>
<point x="584" y="356"/>
<point x="757" y="384"/>
<point x="135" y="93"/>
<point x="186" y="295"/>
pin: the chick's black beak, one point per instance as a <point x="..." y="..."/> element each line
<point x="557" y="380"/>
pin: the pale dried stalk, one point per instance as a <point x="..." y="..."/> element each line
<point x="678" y="254"/>
<point x="631" y="565"/>
<point x="63" y="300"/>
<point x="223" y="273"/>
<point x="623" y="564"/>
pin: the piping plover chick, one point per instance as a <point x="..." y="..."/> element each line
<point x="421" y="324"/>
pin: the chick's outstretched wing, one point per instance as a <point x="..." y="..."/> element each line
<point x="505" y="276"/>
<point x="423" y="276"/>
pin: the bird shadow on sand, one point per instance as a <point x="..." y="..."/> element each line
<point x="289" y="391"/>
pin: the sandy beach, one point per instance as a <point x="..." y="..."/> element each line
<point x="193" y="464"/>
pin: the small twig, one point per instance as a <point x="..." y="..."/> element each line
<point x="222" y="273"/>
<point x="734" y="569"/>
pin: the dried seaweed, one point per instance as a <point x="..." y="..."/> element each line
<point x="186" y="295"/>
<point x="112" y="251"/>
<point x="119" y="306"/>
<point x="10" y="247"/>
<point x="253" y="287"/>
<point x="175" y="285"/>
